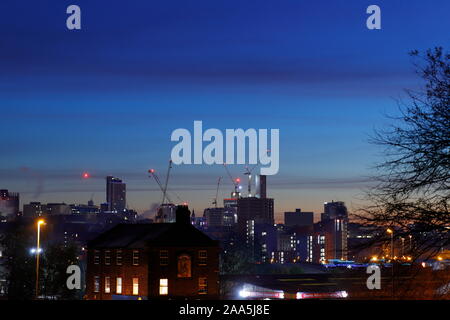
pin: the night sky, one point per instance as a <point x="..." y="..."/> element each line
<point x="105" y="99"/>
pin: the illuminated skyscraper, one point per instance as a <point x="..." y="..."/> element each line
<point x="115" y="194"/>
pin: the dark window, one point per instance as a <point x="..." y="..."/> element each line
<point x="96" y="257"/>
<point x="164" y="257"/>
<point x="107" y="257"/>
<point x="202" y="257"/>
<point x="135" y="257"/>
<point x="119" y="257"/>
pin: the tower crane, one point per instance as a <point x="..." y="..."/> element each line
<point x="165" y="196"/>
<point x="167" y="180"/>
<point x="248" y="172"/>
<point x="234" y="181"/>
<point x="217" y="193"/>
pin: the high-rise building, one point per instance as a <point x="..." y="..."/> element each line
<point x="298" y="218"/>
<point x="334" y="209"/>
<point x="260" y="210"/>
<point x="331" y="232"/>
<point x="166" y="213"/>
<point x="214" y="217"/>
<point x="261" y="239"/>
<point x="9" y="203"/>
<point x="115" y="194"/>
<point x="34" y="209"/>
<point x="260" y="181"/>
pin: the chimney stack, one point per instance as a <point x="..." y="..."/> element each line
<point x="183" y="215"/>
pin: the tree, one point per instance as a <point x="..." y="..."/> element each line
<point x="18" y="264"/>
<point x="56" y="259"/>
<point x="412" y="191"/>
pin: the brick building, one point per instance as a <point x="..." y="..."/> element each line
<point x="152" y="261"/>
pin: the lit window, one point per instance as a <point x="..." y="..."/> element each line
<point x="107" y="257"/>
<point x="202" y="257"/>
<point x="96" y="284"/>
<point x="163" y="257"/>
<point x="96" y="256"/>
<point x="119" y="257"/>
<point x="184" y="266"/>
<point x="163" y="287"/>
<point x="135" y="257"/>
<point x="203" y="285"/>
<point x="107" y="285"/>
<point x="135" y="286"/>
<point x="119" y="285"/>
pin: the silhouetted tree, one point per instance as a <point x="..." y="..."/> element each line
<point x="55" y="260"/>
<point x="237" y="260"/>
<point x="18" y="264"/>
<point x="412" y="193"/>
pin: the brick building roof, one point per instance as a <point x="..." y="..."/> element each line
<point x="159" y="234"/>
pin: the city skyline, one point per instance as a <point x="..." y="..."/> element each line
<point x="110" y="110"/>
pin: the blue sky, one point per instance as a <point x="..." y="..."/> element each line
<point x="105" y="99"/>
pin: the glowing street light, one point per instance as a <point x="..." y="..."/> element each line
<point x="38" y="251"/>
<point x="391" y="232"/>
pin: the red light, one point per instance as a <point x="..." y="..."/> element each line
<point x="238" y="180"/>
<point x="151" y="170"/>
<point x="86" y="175"/>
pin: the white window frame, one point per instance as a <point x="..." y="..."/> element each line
<point x="119" y="285"/>
<point x="163" y="287"/>
<point x="135" y="286"/>
<point x="107" y="284"/>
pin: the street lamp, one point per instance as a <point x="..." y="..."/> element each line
<point x="39" y="223"/>
<point x="403" y="246"/>
<point x="391" y="232"/>
<point x="410" y="243"/>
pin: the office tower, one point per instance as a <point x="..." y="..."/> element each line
<point x="332" y="232"/>
<point x="230" y="214"/>
<point x="255" y="209"/>
<point x="214" y="217"/>
<point x="261" y="240"/>
<point x="9" y="203"/>
<point x="166" y="213"/>
<point x="260" y="181"/>
<point x="334" y="209"/>
<point x="115" y="194"/>
<point x="34" y="209"/>
<point x="260" y="210"/>
<point x="298" y="218"/>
